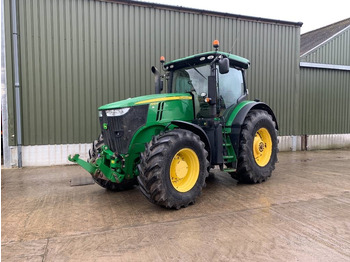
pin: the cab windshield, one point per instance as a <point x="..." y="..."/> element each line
<point x="230" y="86"/>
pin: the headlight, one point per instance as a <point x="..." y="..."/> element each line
<point x="117" y="112"/>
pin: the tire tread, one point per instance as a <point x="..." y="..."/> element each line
<point x="247" y="170"/>
<point x="152" y="168"/>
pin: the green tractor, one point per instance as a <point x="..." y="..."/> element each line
<point x="168" y="142"/>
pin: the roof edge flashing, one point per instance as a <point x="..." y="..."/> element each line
<point x="204" y="12"/>
<point x="325" y="66"/>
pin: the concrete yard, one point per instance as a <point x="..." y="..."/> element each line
<point x="301" y="214"/>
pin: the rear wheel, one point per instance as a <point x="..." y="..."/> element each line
<point x="173" y="169"/>
<point x="258" y="148"/>
<point x="99" y="178"/>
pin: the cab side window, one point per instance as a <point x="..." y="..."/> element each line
<point x="231" y="87"/>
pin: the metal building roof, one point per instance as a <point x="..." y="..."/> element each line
<point x="313" y="39"/>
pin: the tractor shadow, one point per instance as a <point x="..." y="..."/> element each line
<point x="219" y="178"/>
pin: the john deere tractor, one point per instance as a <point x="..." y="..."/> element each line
<point x="167" y="142"/>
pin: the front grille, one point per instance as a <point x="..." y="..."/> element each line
<point x="121" y="129"/>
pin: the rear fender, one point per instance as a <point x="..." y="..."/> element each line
<point x="239" y="119"/>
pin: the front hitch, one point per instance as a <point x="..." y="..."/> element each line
<point x="109" y="165"/>
<point x="87" y="166"/>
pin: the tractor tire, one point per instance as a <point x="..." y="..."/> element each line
<point x="126" y="184"/>
<point x="173" y="169"/>
<point x="257" y="149"/>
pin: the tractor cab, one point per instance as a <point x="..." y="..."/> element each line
<point x="191" y="75"/>
<point x="193" y="78"/>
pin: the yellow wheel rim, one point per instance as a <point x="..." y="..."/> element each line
<point x="262" y="147"/>
<point x="184" y="170"/>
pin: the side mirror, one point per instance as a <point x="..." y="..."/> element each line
<point x="224" y="65"/>
<point x="158" y="84"/>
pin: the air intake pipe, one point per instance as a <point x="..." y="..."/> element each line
<point x="158" y="83"/>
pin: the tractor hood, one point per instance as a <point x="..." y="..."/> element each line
<point x="141" y="100"/>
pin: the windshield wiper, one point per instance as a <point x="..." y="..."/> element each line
<point x="198" y="71"/>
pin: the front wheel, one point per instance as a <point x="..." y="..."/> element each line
<point x="173" y="169"/>
<point x="257" y="149"/>
<point x="126" y="184"/>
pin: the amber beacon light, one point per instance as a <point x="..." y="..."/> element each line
<point x="216" y="44"/>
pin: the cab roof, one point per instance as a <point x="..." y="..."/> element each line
<point x="204" y="58"/>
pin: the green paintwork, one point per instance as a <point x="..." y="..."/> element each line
<point x="231" y="114"/>
<point x="110" y="165"/>
<point x="107" y="163"/>
<point x="172" y="110"/>
<point x="137" y="145"/>
<point x="87" y="166"/>
<point x="233" y="58"/>
<point x="174" y="107"/>
<point x="116" y="169"/>
<point x="140" y="100"/>
<point x="228" y="145"/>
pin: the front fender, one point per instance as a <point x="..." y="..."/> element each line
<point x="137" y="146"/>
<point x="198" y="131"/>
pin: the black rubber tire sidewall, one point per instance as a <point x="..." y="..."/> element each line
<point x="263" y="123"/>
<point x="197" y="188"/>
<point x="154" y="179"/>
<point x="248" y="170"/>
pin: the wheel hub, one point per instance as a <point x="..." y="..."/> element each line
<point x="181" y="167"/>
<point x="184" y="170"/>
<point x="262" y="147"/>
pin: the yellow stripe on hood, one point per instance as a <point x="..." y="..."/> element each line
<point x="164" y="99"/>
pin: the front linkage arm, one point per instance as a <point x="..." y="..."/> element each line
<point x="87" y="166"/>
<point x="107" y="163"/>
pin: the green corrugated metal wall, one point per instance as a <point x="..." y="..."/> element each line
<point x="325" y="93"/>
<point x="76" y="55"/>
<point x="325" y="103"/>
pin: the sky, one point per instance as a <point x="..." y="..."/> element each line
<point x="313" y="14"/>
